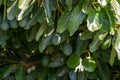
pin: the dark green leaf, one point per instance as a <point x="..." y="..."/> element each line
<point x="63" y="22"/>
<point x="98" y="39"/>
<point x="86" y="35"/>
<point x="77" y="17"/>
<point x="89" y="64"/>
<point x="86" y="7"/>
<point x="12" y="11"/>
<point x="112" y="56"/>
<point x="111" y="18"/>
<point x="3" y="38"/>
<point x="82" y="75"/>
<point x="33" y="20"/>
<point x="40" y="31"/>
<point x="30" y="34"/>
<point x="73" y="61"/>
<point x="103" y="70"/>
<point x="94" y="21"/>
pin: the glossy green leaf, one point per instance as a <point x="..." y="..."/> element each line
<point x="33" y="20"/>
<point x="107" y="43"/>
<point x="86" y="7"/>
<point x="86" y="35"/>
<point x="20" y="74"/>
<point x="112" y="57"/>
<point x="106" y="23"/>
<point x="89" y="64"/>
<point x="25" y="12"/>
<point x="23" y="5"/>
<point x="98" y="39"/>
<point x="12" y="11"/>
<point x="95" y="43"/>
<point x="94" y="21"/>
<point x="111" y="18"/>
<point x="30" y="34"/>
<point x="73" y="61"/>
<point x="63" y="22"/>
<point x="41" y="16"/>
<point x="77" y="17"/>
<point x="48" y="10"/>
<point x="40" y="31"/>
<point x="44" y="43"/>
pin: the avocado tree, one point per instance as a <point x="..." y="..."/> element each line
<point x="59" y="39"/>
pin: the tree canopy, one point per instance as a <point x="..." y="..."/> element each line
<point x="59" y="39"/>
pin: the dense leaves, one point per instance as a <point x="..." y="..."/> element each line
<point x="59" y="39"/>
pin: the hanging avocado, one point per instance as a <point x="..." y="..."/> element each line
<point x="4" y="25"/>
<point x="56" y="39"/>
<point x="23" y="22"/>
<point x="13" y="24"/>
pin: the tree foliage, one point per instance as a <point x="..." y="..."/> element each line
<point x="59" y="39"/>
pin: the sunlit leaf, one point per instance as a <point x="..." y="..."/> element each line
<point x="77" y="17"/>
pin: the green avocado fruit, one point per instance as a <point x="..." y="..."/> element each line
<point x="13" y="24"/>
<point x="56" y="39"/>
<point x="4" y="25"/>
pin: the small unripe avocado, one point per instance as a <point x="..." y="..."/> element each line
<point x="13" y="24"/>
<point x="67" y="49"/>
<point x="23" y="22"/>
<point x="4" y="25"/>
<point x="56" y="39"/>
